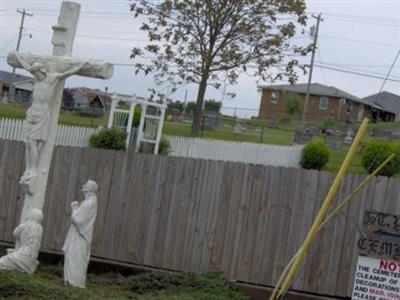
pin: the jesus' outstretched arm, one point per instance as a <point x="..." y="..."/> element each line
<point x="71" y="71"/>
<point x="23" y="63"/>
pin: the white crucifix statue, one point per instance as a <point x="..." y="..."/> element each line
<point x="50" y="73"/>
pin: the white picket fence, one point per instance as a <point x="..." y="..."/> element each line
<point x="284" y="156"/>
<point x="75" y="136"/>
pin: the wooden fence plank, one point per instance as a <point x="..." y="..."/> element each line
<point x="256" y="274"/>
<point x="138" y="185"/>
<point x="287" y="187"/>
<point x="224" y="206"/>
<point x="214" y="198"/>
<point x="182" y="219"/>
<point x="255" y="185"/>
<point x="158" y="171"/>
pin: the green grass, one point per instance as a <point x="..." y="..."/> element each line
<point x="336" y="159"/>
<point x="12" y="111"/>
<point x="225" y="132"/>
<point x="47" y="284"/>
<point x="70" y="118"/>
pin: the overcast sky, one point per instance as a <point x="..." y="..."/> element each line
<point x="359" y="36"/>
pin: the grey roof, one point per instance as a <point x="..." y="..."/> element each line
<point x="315" y="89"/>
<point x="9" y="78"/>
<point x="384" y="100"/>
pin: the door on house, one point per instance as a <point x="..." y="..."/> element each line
<point x="360" y="113"/>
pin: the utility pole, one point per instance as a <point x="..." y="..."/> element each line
<point x="21" y="27"/>
<point x="314" y="47"/>
<point x="186" y="92"/>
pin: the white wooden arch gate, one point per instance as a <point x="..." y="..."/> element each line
<point x="151" y="123"/>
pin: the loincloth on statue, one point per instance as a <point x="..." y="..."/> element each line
<point x="37" y="123"/>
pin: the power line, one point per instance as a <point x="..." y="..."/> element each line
<point x="363" y="22"/>
<point x="390" y="70"/>
<point x="351" y="16"/>
<point x="359" y="70"/>
<point x="355" y="65"/>
<point x="9" y="43"/>
<point x="95" y="37"/>
<point x="360" y="41"/>
<point x="355" y="73"/>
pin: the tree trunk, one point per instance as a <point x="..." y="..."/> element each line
<point x="197" y="120"/>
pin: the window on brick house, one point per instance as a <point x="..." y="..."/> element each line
<point x="274" y="97"/>
<point x="323" y="103"/>
<point x="349" y="106"/>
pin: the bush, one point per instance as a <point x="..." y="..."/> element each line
<point x="315" y="155"/>
<point x="164" y="148"/>
<point x="112" y="138"/>
<point x="375" y="153"/>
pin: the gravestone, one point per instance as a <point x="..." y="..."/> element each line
<point x="210" y="120"/>
<point x="237" y="129"/>
<point x="302" y="137"/>
<point x="348" y="139"/>
<point x="50" y="73"/>
<point x="313" y="128"/>
<point x="5" y="99"/>
<point x="333" y="142"/>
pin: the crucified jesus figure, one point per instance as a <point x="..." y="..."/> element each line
<point x="38" y="115"/>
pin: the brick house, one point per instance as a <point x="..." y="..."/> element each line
<point x="325" y="101"/>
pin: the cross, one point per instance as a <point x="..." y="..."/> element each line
<point x="50" y="73"/>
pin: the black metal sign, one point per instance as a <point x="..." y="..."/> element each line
<point x="380" y="235"/>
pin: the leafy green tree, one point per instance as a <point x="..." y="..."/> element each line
<point x="212" y="105"/>
<point x="293" y="104"/>
<point x="207" y="41"/>
<point x="190" y="107"/>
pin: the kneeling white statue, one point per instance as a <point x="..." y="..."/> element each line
<point x="79" y="237"/>
<point x="27" y="244"/>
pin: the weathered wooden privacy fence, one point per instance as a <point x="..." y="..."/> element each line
<point x="76" y="136"/>
<point x="198" y="215"/>
<point x="272" y="155"/>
